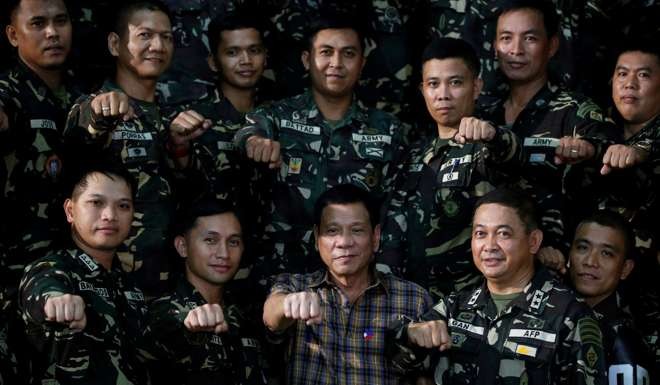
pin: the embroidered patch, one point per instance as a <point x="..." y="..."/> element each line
<point x="295" y="165"/>
<point x="526" y="350"/>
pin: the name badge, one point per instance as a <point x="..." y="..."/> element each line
<point x="129" y="135"/>
<point x="305" y="129"/>
<point x="43" y="124"/>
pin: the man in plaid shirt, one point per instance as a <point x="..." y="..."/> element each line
<point x="335" y="319"/>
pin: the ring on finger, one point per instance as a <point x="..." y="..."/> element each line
<point x="574" y="151"/>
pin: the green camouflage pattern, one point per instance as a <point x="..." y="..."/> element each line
<point x="105" y="351"/>
<point x="31" y="163"/>
<point x="233" y="357"/>
<point x="391" y="48"/>
<point x="139" y="145"/>
<point x="364" y="148"/>
<point x="428" y="225"/>
<point x="189" y="75"/>
<point x="550" y="115"/>
<point x="583" y="41"/>
<point x="544" y="336"/>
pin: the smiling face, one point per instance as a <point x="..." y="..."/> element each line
<point x="636" y="87"/>
<point x="346" y="240"/>
<point x="145" y="49"/>
<point x="598" y="261"/>
<point x="450" y="90"/>
<point x="522" y="45"/>
<point x="502" y="248"/>
<point x="212" y="248"/>
<point x="101" y="213"/>
<point x="41" y="30"/>
<point x="334" y="62"/>
<point x="240" y="58"/>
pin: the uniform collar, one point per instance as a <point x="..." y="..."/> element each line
<point x="38" y="85"/>
<point x="355" y="111"/>
<point x="611" y="307"/>
<point x="89" y="263"/>
<point x="533" y="297"/>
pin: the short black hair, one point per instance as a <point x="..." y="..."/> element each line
<point x="11" y="6"/>
<point x="547" y="10"/>
<point x="186" y="217"/>
<point x="644" y="45"/>
<point x="448" y="48"/>
<point x="127" y="8"/>
<point x="334" y="21"/>
<point x="76" y="175"/>
<point x="515" y="199"/>
<point x="616" y="221"/>
<point x="346" y="194"/>
<point x="230" y="22"/>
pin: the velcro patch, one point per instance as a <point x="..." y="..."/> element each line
<point x="466" y="326"/>
<point x="541" y="142"/>
<point x="533" y="334"/>
<point x="305" y="129"/>
<point x="372" y="138"/>
<point x="43" y="123"/>
<point x="226" y="146"/>
<point x="130" y="135"/>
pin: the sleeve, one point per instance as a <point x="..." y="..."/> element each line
<point x="287" y="283"/>
<point x="591" y="124"/>
<point x="83" y="130"/>
<point x="393" y="249"/>
<point x="505" y="146"/>
<point x="165" y="336"/>
<point x="580" y="359"/>
<point x="261" y="123"/>
<point x="630" y="358"/>
<point x="41" y="280"/>
<point x="403" y="356"/>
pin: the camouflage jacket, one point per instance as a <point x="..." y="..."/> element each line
<point x="364" y="148"/>
<point x="428" y="225"/>
<point x="634" y="192"/>
<point x="544" y="336"/>
<point x="138" y="144"/>
<point x="549" y="116"/>
<point x="105" y="351"/>
<point x="234" y="357"/>
<point x="584" y="32"/>
<point x="31" y="150"/>
<point x="189" y="75"/>
<point x="625" y="351"/>
<point x="392" y="48"/>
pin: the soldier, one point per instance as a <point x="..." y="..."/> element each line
<point x="35" y="97"/>
<point x="238" y="57"/>
<point x="82" y="313"/>
<point x="317" y="140"/>
<point x="556" y="126"/>
<point x="197" y="330"/>
<point x="630" y="185"/>
<point x="335" y="319"/>
<point x="427" y="229"/>
<point x="520" y="325"/>
<point x="189" y="76"/>
<point x="391" y="31"/>
<point x="601" y="257"/>
<point x="123" y="120"/>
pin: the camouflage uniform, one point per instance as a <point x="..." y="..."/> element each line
<point x="32" y="151"/>
<point x="189" y="75"/>
<point x="634" y="194"/>
<point x="363" y="148"/>
<point x="583" y="35"/>
<point x="391" y="46"/>
<point x="102" y="353"/>
<point x="548" y="116"/>
<point x="233" y="357"/>
<point x="138" y="144"/>
<point x="625" y="351"/>
<point x="426" y="235"/>
<point x="8" y="362"/>
<point x="544" y="336"/>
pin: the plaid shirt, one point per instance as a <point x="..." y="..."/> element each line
<point x="348" y="347"/>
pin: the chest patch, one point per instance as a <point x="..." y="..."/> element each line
<point x="305" y="129"/>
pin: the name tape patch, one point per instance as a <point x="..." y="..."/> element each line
<point x="533" y="334"/>
<point x="372" y="138"/>
<point x="305" y="129"/>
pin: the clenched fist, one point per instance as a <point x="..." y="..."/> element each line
<point x="430" y="334"/>
<point x="263" y="150"/>
<point x="113" y="104"/>
<point x="66" y="309"/>
<point x="304" y="306"/>
<point x="206" y="318"/>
